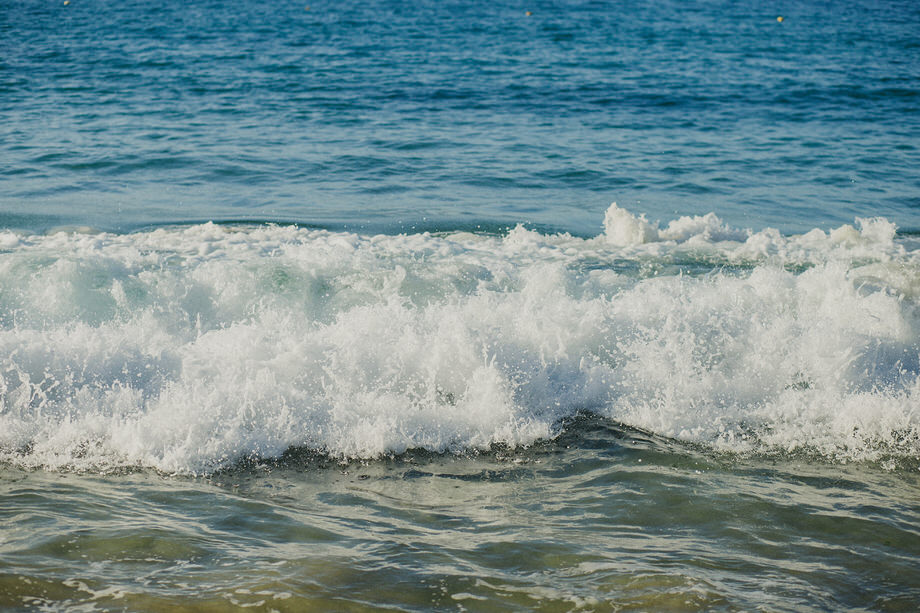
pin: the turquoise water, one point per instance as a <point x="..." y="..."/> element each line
<point x="327" y="307"/>
<point x="390" y="116"/>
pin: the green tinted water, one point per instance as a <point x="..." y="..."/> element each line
<point x="602" y="519"/>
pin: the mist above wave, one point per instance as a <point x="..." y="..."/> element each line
<point x="188" y="349"/>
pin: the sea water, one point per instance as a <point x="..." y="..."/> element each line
<point x="327" y="307"/>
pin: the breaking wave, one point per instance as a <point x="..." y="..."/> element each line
<point x="188" y="349"/>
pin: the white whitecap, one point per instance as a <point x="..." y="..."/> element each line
<point x="187" y="349"/>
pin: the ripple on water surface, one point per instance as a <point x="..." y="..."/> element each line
<point x="603" y="518"/>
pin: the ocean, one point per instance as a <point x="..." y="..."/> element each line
<point x="459" y="306"/>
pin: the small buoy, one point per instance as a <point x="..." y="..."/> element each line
<point x="306" y="8"/>
<point x="66" y="2"/>
<point x="528" y="13"/>
<point x="780" y="19"/>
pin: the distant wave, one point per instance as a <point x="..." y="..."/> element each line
<point x="188" y="349"/>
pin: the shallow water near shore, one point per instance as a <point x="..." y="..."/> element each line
<point x="603" y="518"/>
<point x="690" y="416"/>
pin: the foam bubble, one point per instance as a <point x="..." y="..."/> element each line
<point x="623" y="229"/>
<point x="187" y="349"/>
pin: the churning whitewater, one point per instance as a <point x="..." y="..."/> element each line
<point x="188" y="349"/>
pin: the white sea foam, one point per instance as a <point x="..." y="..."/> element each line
<point x="187" y="349"/>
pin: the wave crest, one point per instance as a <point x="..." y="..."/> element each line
<point x="188" y="349"/>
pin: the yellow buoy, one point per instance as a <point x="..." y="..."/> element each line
<point x="528" y="13"/>
<point x="780" y="19"/>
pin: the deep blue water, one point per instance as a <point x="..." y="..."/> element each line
<point x="396" y="116"/>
